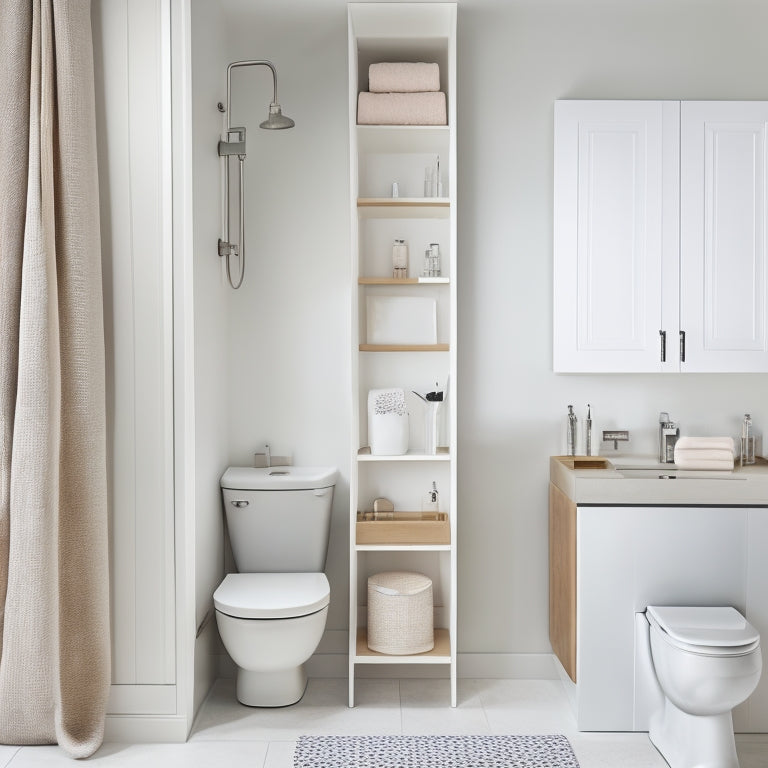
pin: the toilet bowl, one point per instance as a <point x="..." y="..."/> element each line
<point x="270" y="624"/>
<point x="707" y="661"/>
<point x="271" y="614"/>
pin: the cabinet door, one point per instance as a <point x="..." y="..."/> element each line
<point x="615" y="235"/>
<point x="722" y="240"/>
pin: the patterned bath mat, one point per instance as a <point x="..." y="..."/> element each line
<point x="434" y="752"/>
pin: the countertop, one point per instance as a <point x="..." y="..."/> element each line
<point x="599" y="480"/>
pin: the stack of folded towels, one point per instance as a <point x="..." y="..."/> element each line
<point x="704" y="453"/>
<point x="402" y="93"/>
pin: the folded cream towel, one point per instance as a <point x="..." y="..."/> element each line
<point x="401" y="108"/>
<point x="705" y="443"/>
<point x="403" y="77"/>
<point x="703" y="455"/>
<point x="722" y="464"/>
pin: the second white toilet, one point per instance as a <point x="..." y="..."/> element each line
<point x="707" y="661"/>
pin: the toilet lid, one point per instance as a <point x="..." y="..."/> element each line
<point x="716" y="628"/>
<point x="272" y="595"/>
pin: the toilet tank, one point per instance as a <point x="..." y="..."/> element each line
<point x="279" y="518"/>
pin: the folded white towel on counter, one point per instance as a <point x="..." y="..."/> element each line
<point x="401" y="108"/>
<point x="403" y="77"/>
<point x="711" y="464"/>
<point x="705" y="444"/>
<point x="703" y="455"/>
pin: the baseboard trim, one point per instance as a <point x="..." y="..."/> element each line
<point x="513" y="666"/>
<point x="146" y="729"/>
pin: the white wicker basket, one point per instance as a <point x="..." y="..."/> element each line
<point x="400" y="620"/>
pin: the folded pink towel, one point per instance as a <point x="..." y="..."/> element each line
<point x="401" y="108"/>
<point x="705" y="444"/>
<point x="403" y="77"/>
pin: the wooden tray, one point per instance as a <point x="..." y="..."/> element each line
<point x="584" y="462"/>
<point x="404" y="528"/>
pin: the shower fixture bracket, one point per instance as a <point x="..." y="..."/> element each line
<point x="236" y="147"/>
<point x="227" y="249"/>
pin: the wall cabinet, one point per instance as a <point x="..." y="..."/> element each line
<point x="659" y="236"/>
<point x="379" y="156"/>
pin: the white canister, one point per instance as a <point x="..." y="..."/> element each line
<point x="387" y="422"/>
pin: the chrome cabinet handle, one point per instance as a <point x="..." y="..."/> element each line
<point x="237" y="503"/>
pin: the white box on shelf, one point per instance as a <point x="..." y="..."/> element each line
<point x="401" y="320"/>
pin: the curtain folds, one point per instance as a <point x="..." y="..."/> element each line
<point x="54" y="590"/>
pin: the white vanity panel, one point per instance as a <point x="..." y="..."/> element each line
<point x="631" y="557"/>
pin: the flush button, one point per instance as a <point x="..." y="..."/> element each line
<point x="239" y="504"/>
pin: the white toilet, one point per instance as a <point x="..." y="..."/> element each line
<point x="271" y="614"/>
<point x="707" y="661"/>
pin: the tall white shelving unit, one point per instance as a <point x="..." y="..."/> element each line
<point x="380" y="155"/>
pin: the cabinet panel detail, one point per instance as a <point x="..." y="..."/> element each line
<point x="723" y="250"/>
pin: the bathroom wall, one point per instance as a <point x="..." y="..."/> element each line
<point x="287" y="341"/>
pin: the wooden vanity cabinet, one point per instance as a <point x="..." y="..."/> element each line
<point x="562" y="578"/>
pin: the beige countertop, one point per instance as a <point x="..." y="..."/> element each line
<point x="636" y="480"/>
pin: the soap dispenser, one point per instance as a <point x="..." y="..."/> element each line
<point x="669" y="432"/>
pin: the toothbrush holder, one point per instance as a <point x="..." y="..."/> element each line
<point x="432" y="426"/>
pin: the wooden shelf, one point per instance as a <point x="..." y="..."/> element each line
<point x="404" y="347"/>
<point x="440" y="654"/>
<point x="443" y="454"/>
<point x="404" y="207"/>
<point x="402" y="547"/>
<point x="403" y="281"/>
<point x="403" y="202"/>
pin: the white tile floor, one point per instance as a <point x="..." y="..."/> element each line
<point x="229" y="735"/>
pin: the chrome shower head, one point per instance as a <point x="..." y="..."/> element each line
<point x="276" y="120"/>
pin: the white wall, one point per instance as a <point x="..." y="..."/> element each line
<point x="288" y="368"/>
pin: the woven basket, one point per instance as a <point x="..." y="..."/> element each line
<point x="400" y="613"/>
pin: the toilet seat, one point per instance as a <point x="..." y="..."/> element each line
<point x="272" y="595"/>
<point x="710" y="631"/>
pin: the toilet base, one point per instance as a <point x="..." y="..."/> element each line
<point x="693" y="741"/>
<point x="272" y="688"/>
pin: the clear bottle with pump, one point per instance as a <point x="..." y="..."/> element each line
<point x="430" y="504"/>
<point x="435" y="268"/>
<point x="747" y="441"/>
<point x="400" y="260"/>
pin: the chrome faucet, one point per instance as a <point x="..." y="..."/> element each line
<point x="268" y="455"/>
<point x="668" y="435"/>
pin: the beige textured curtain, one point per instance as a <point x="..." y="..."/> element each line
<point x="54" y="591"/>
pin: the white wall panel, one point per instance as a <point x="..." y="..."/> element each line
<point x="131" y="92"/>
